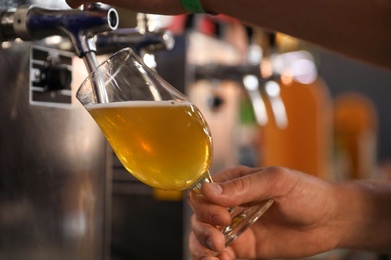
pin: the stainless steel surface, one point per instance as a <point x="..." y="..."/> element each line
<point x="55" y="170"/>
<point x="53" y="176"/>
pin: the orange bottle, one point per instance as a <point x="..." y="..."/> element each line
<point x="356" y="126"/>
<point x="299" y="132"/>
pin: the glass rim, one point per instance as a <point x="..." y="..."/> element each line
<point x="92" y="73"/>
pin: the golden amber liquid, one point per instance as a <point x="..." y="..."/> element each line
<point x="165" y="144"/>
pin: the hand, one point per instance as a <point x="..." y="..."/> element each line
<point x="298" y="224"/>
<point x="168" y="7"/>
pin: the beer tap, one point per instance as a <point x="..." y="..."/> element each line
<point x="80" y="26"/>
<point x="251" y="81"/>
<point x="147" y="37"/>
<point x="271" y="86"/>
<point x="133" y="38"/>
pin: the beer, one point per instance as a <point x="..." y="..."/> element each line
<point x="165" y="144"/>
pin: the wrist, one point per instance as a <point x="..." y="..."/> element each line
<point x="349" y="214"/>
<point x="364" y="216"/>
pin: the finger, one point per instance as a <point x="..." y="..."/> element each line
<point x="235" y="172"/>
<point x="208" y="212"/>
<point x="250" y="186"/>
<point x="207" y="235"/>
<point x="197" y="251"/>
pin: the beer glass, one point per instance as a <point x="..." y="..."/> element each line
<point x="159" y="136"/>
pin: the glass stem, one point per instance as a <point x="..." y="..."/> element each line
<point x="242" y="217"/>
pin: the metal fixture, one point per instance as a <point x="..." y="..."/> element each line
<point x="55" y="169"/>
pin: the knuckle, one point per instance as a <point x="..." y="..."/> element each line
<point x="277" y="169"/>
<point x="278" y="172"/>
<point x="242" y="184"/>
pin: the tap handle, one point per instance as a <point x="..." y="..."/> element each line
<point x="80" y="26"/>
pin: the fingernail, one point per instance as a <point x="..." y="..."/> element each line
<point x="216" y="188"/>
<point x="208" y="243"/>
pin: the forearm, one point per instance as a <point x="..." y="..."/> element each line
<point x="359" y="29"/>
<point x="364" y="216"/>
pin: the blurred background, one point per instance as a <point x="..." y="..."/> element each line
<point x="269" y="99"/>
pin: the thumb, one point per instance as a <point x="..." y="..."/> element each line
<point x="249" y="189"/>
